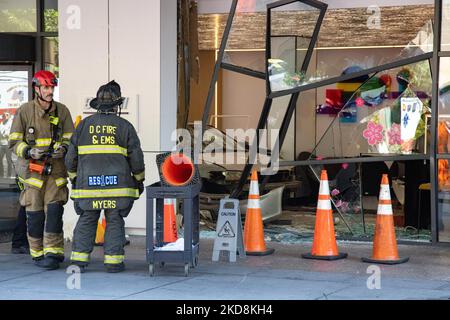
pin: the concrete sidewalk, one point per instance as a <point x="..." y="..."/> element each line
<point x="281" y="276"/>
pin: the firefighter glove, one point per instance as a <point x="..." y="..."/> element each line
<point x="59" y="153"/>
<point x="36" y="153"/>
<point x="141" y="187"/>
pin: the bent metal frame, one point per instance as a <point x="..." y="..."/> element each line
<point x="294" y="94"/>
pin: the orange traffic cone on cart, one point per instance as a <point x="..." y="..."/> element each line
<point x="324" y="244"/>
<point x="254" y="229"/>
<point x="100" y="235"/>
<point x="384" y="242"/>
<point x="170" y="222"/>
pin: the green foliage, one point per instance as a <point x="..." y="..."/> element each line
<point x="294" y="79"/>
<point x="51" y="20"/>
<point x="421" y="77"/>
<point x="24" y="20"/>
<point x="18" y="20"/>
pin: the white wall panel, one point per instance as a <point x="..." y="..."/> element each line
<point x="135" y="62"/>
<point x="83" y="50"/>
<point x="83" y="58"/>
<point x="120" y="40"/>
<point x="135" y="65"/>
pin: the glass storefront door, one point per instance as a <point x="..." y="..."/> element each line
<point x="14" y="91"/>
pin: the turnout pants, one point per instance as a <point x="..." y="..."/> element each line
<point x="20" y="231"/>
<point x="85" y="231"/>
<point x="44" y="209"/>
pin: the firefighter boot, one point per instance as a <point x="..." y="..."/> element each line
<point x="20" y="250"/>
<point x="115" y="268"/>
<point x="49" y="263"/>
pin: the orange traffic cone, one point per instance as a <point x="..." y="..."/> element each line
<point x="100" y="235"/>
<point x="384" y="241"/>
<point x="170" y="223"/>
<point x="77" y="121"/>
<point x="253" y="229"/>
<point x="324" y="245"/>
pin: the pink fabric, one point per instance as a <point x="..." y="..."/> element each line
<point x="373" y="133"/>
<point x="359" y="102"/>
<point x="395" y="134"/>
<point x="335" y="192"/>
<point x="344" y="206"/>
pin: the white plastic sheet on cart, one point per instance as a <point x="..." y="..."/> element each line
<point x="174" y="246"/>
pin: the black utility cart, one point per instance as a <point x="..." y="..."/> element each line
<point x="190" y="200"/>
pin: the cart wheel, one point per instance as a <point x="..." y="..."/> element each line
<point x="161" y="264"/>
<point x="186" y="269"/>
<point x="151" y="269"/>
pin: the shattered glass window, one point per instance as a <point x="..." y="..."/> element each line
<point x="274" y="121"/>
<point x="248" y="34"/>
<point x="387" y="113"/>
<point x="292" y="27"/>
<point x="408" y="29"/>
<point x="383" y="113"/>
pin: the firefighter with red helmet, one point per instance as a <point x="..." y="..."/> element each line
<point x="40" y="137"/>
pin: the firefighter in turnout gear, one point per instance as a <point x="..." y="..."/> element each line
<point x="40" y="136"/>
<point x="106" y="167"/>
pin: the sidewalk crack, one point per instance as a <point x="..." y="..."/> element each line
<point x="147" y="290"/>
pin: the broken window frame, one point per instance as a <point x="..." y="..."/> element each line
<point x="433" y="57"/>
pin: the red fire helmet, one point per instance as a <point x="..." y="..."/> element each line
<point x="45" y="78"/>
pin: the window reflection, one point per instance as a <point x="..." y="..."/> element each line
<point x="18" y="16"/>
<point x="387" y="113"/>
<point x="247" y="33"/>
<point x="445" y="45"/>
<point x="51" y="16"/>
<point x="13" y="93"/>
<point x="411" y="37"/>
<point x="51" y="55"/>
